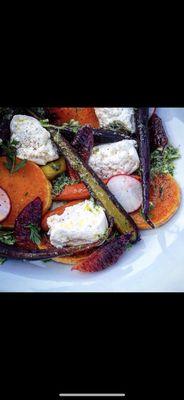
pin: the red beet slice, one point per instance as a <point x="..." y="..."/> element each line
<point x="104" y="256"/>
<point x="83" y="142"/>
<point x="5" y="205"/>
<point x="71" y="172"/>
<point x="31" y="214"/>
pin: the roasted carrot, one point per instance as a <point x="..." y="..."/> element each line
<point x="59" y="115"/>
<point x="59" y="210"/>
<point x="76" y="191"/>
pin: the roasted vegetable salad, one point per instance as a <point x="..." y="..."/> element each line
<point x="77" y="185"/>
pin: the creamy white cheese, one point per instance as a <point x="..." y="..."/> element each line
<point x="109" y="115"/>
<point x="79" y="224"/>
<point x="34" y="141"/>
<point x="114" y="158"/>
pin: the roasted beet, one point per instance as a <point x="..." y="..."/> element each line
<point x="105" y="256"/>
<point x="83" y="142"/>
<point x="46" y="250"/>
<point x="71" y="172"/>
<point x="158" y="137"/>
<point x="24" y="250"/>
<point x="31" y="214"/>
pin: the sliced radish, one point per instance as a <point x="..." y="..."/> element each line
<point x="5" y="205"/>
<point x="127" y="190"/>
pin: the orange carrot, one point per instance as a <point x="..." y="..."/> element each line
<point x="59" y="210"/>
<point x="83" y="115"/>
<point x="76" y="191"/>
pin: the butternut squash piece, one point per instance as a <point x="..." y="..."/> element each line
<point x="23" y="187"/>
<point x="70" y="259"/>
<point x="165" y="197"/>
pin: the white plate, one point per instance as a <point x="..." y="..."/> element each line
<point x="154" y="264"/>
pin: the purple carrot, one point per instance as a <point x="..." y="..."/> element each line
<point x="83" y="143"/>
<point x="158" y="137"/>
<point x="141" y="119"/>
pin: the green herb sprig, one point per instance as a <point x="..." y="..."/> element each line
<point x="61" y="182"/>
<point x="34" y="233"/>
<point x="37" y="112"/>
<point x="118" y="126"/>
<point x="72" y="125"/>
<point x="162" y="161"/>
<point x="10" y="149"/>
<point x="7" y="237"/>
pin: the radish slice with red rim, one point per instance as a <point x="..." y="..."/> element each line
<point x="127" y="190"/>
<point x="5" y="205"/>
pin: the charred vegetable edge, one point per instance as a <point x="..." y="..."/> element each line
<point x="98" y="189"/>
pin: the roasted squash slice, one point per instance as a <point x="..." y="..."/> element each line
<point x="165" y="199"/>
<point x="71" y="259"/>
<point x="23" y="187"/>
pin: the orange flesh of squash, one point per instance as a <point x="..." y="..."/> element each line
<point x="70" y="259"/>
<point x="165" y="196"/>
<point x="22" y="187"/>
<point x="45" y="244"/>
<point x="80" y="114"/>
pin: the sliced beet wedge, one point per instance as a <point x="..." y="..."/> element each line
<point x="83" y="142"/>
<point x="105" y="256"/>
<point x="31" y="214"/>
